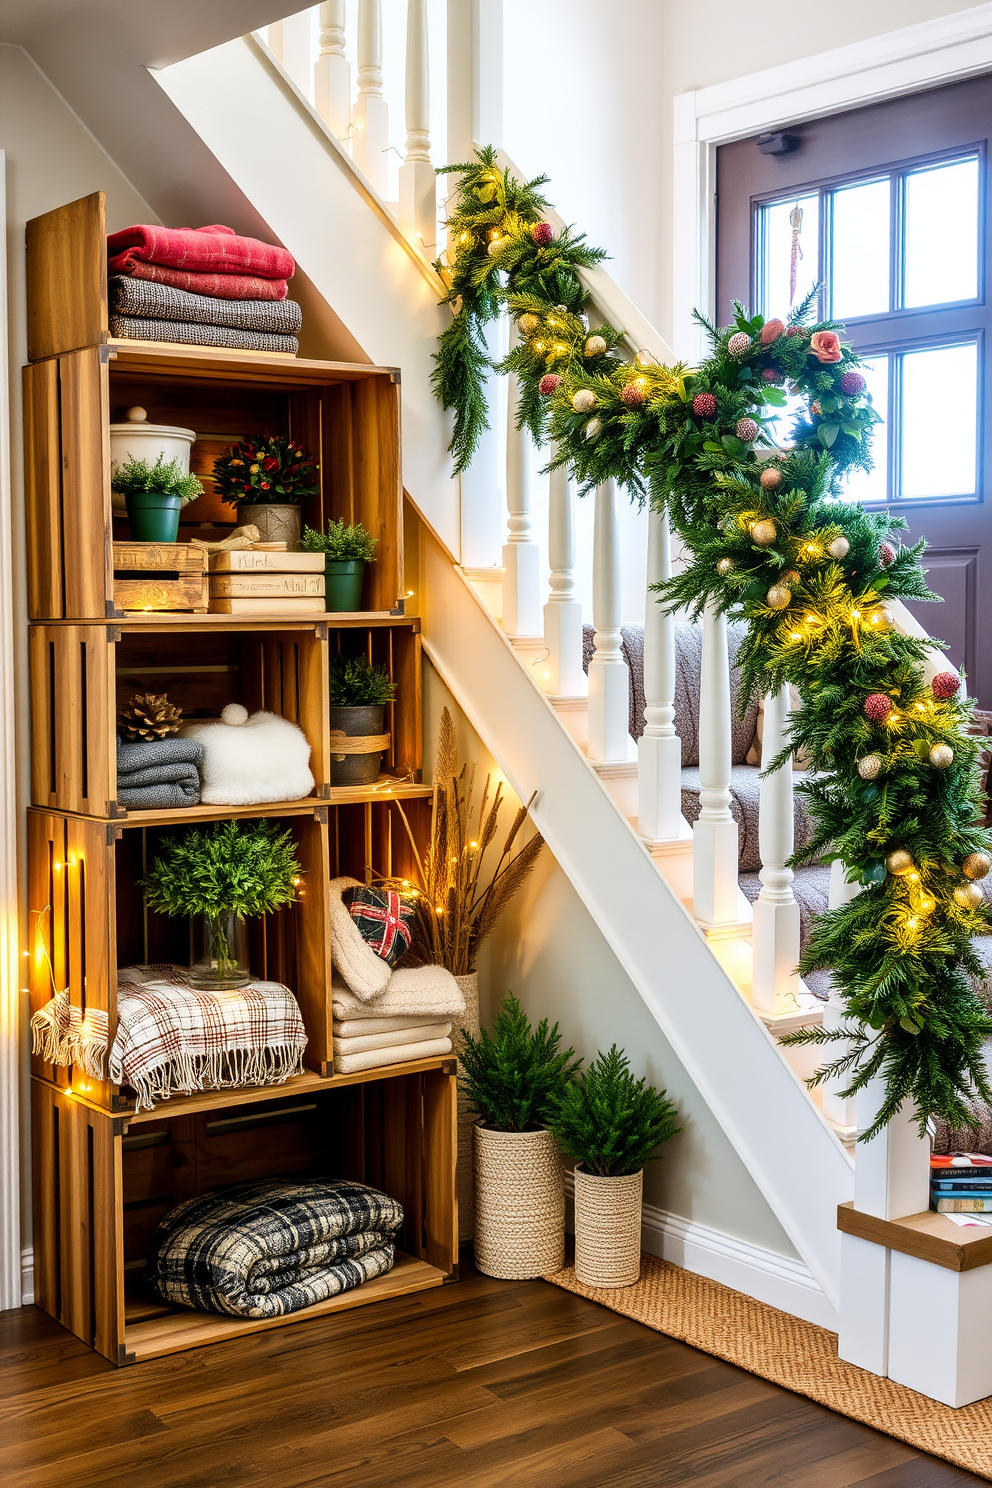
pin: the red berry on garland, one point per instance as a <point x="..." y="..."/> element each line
<point x="815" y="408"/>
<point x="549" y="383"/>
<point x="886" y="554"/>
<point x="877" y="707"/>
<point x="631" y="395"/>
<point x="772" y="374"/>
<point x="945" y="685"/>
<point x="771" y="479"/>
<point x="542" y="233"/>
<point x="739" y="344"/>
<point x="852" y="383"/>
<point x="704" y="405"/>
<point x="795" y="331"/>
<point x="747" y="430"/>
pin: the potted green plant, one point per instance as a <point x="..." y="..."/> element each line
<point x="220" y="875"/>
<point x="610" y="1124"/>
<point x="515" y="1078"/>
<point x="265" y="480"/>
<point x="154" y="495"/>
<point x="346" y="551"/>
<point x="360" y="693"/>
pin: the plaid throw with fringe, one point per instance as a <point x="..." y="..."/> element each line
<point x="174" y="1040"/>
<point x="262" y="1250"/>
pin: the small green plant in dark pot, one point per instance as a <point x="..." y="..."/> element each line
<point x="346" y="551"/>
<point x="154" y="496"/>
<point x="360" y="694"/>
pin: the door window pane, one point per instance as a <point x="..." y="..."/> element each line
<point x="775" y="253"/>
<point x="937" y="421"/>
<point x="874" y="484"/>
<point x="940" y="244"/>
<point x="859" y="250"/>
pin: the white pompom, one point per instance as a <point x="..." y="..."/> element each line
<point x="234" y="714"/>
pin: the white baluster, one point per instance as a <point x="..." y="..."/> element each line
<point x="835" y="1014"/>
<point x="289" y="42"/>
<point x="418" y="184"/>
<point x="714" y="835"/>
<point x="563" y="611"/>
<point x="659" y="750"/>
<point x="609" y="680"/>
<point x="332" y="71"/>
<point x="521" y="557"/>
<point x="370" y="140"/>
<point x="775" y="924"/>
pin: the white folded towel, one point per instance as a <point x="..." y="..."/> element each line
<point x="359" y="1027"/>
<point x="348" y="1064"/>
<point x="427" y="991"/>
<point x="396" y="1039"/>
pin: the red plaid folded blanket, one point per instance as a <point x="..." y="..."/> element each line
<point x="218" y="286"/>
<point x="215" y="249"/>
<point x="174" y="1040"/>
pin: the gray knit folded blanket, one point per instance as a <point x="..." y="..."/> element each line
<point x="142" y="297"/>
<point x="158" y="775"/>
<point x="137" y="328"/>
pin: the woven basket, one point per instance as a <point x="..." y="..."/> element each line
<point x="466" y="1116"/>
<point x="608" y="1229"/>
<point x="519" y="1204"/>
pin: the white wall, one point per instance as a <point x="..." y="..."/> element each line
<point x="51" y="159"/>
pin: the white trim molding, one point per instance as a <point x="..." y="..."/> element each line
<point x="780" y="1281"/>
<point x="27" y="1276"/>
<point x="944" y="50"/>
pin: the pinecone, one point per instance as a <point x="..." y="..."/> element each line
<point x="149" y="715"/>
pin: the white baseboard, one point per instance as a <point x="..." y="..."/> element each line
<point x="778" y="1280"/>
<point x="27" y="1276"/>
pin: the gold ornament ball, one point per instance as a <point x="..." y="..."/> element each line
<point x="968" y="895"/>
<point x="529" y="323"/>
<point x="879" y="618"/>
<point x="771" y="479"/>
<point x="725" y="566"/>
<point x="595" y="346"/>
<point x="976" y="865"/>
<point x="779" y="597"/>
<point x="839" y="548"/>
<point x="494" y="247"/>
<point x="941" y="755"/>
<point x="583" y="400"/>
<point x="899" y="862"/>
<point x="763" y="533"/>
<point x="869" y="766"/>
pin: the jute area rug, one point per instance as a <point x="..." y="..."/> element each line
<point x="794" y="1354"/>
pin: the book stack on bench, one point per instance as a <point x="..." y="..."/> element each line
<point x="961" y="1183"/>
<point x="257" y="581"/>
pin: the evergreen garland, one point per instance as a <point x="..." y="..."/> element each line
<point x="896" y="794"/>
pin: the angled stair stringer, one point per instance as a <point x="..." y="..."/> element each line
<point x="796" y="1160"/>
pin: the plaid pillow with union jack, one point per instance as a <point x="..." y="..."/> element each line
<point x="382" y="919"/>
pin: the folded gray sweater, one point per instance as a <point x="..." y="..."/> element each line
<point x="158" y="775"/>
<point x="162" y="302"/>
<point x="144" y="328"/>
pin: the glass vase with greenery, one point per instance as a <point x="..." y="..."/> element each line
<point x="516" y="1076"/>
<point x="346" y="549"/>
<point x="610" y="1122"/>
<point x="154" y="494"/>
<point x="223" y="874"/>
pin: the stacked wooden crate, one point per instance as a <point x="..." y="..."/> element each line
<point x="103" y="1172"/>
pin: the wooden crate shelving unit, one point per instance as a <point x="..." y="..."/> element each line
<point x="105" y="1174"/>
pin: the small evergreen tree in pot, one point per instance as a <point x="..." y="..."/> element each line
<point x="154" y="495"/>
<point x="515" y="1077"/>
<point x="346" y="549"/>
<point x="611" y="1125"/>
<point x="360" y="693"/>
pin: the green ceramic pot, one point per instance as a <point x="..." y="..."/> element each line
<point x="153" y="516"/>
<point x="343" y="583"/>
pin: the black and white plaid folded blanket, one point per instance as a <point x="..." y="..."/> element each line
<point x="144" y="328"/>
<point x="262" y="1250"/>
<point x="162" y="302"/>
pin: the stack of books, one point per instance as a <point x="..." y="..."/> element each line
<point x="266" y="581"/>
<point x="961" y="1183"/>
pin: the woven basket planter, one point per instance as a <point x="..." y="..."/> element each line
<point x="466" y="1116"/>
<point x="519" y="1204"/>
<point x="608" y="1229"/>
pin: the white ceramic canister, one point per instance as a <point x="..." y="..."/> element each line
<point x="144" y="441"/>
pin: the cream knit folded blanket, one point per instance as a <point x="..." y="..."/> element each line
<point x="396" y="1039"/>
<point x="348" y="1064"/>
<point x="359" y="1027"/>
<point x="427" y="992"/>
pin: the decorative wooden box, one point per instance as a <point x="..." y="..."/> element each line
<point x="160" y="576"/>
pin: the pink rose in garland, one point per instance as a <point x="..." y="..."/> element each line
<point x="825" y="346"/>
<point x="771" y="330"/>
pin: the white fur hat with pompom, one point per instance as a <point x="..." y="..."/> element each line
<point x="249" y="760"/>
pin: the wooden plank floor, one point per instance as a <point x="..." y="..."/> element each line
<point x="476" y="1385"/>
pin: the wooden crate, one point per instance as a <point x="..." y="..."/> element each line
<point x="102" y="1184"/>
<point x="160" y="576"/>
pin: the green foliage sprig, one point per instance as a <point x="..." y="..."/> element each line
<point x="610" y="1122"/>
<point x="516" y="1076"/>
<point x="341" y="543"/>
<point x="704" y="445"/>
<point x="268" y="471"/>
<point x="164" y="477"/>
<point x="231" y="867"/>
<point x="356" y="683"/>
